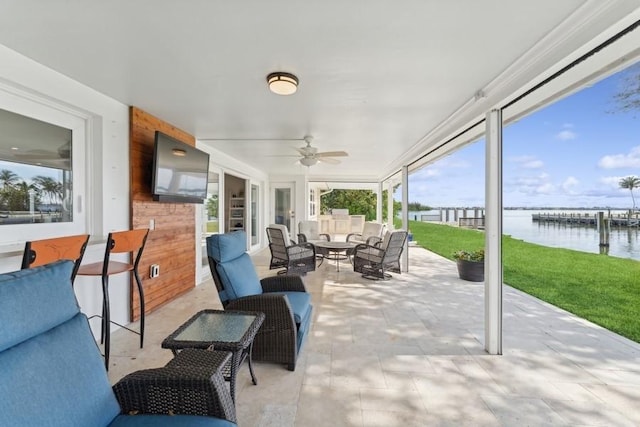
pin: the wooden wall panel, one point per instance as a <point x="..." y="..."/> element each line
<point x="172" y="244"/>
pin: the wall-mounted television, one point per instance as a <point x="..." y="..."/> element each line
<point x="180" y="171"/>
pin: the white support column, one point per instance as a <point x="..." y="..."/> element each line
<point x="390" y="205"/>
<point x="379" y="203"/>
<point x="405" y="215"/>
<point x="493" y="234"/>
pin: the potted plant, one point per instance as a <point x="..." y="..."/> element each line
<point x="470" y="265"/>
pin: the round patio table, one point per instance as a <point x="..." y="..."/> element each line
<point x="334" y="250"/>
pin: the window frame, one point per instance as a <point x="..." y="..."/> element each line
<point x="58" y="115"/>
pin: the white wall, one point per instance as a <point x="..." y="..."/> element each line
<point x="107" y="198"/>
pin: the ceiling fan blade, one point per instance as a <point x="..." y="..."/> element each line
<point x="329" y="160"/>
<point x="332" y="154"/>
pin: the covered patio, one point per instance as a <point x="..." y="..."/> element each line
<point x="410" y="352"/>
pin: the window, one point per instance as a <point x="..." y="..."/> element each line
<point x="312" y="202"/>
<point x="36" y="180"/>
<point x="42" y="180"/>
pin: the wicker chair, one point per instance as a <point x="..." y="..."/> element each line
<point x="309" y="231"/>
<point x="283" y="299"/>
<point x="295" y="258"/>
<point x="51" y="371"/>
<point x="372" y="233"/>
<point x="373" y="261"/>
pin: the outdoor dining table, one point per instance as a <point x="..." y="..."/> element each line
<point x="334" y="251"/>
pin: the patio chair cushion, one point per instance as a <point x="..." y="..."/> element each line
<point x="285" y="232"/>
<point x="49" y="374"/>
<point x="31" y="288"/>
<point x="164" y="421"/>
<point x="234" y="267"/>
<point x="385" y="241"/>
<point x="300" y="303"/>
<point x="311" y="229"/>
<point x="371" y="229"/>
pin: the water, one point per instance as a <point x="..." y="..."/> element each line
<point x="623" y="242"/>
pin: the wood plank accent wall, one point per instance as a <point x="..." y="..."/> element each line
<point x="172" y="243"/>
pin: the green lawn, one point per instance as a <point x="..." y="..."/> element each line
<point x="599" y="288"/>
<point x="212" y="226"/>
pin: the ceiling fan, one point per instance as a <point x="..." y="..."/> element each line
<point x="311" y="156"/>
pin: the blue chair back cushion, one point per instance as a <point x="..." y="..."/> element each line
<point x="51" y="371"/>
<point x="234" y="266"/>
<point x="26" y="301"/>
<point x="228" y="246"/>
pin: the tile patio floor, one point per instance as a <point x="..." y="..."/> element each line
<point x="409" y="352"/>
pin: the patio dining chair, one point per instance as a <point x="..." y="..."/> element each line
<point x="295" y="258"/>
<point x="372" y="232"/>
<point x="374" y="261"/>
<point x="309" y="231"/>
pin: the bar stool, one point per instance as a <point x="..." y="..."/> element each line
<point x="131" y="241"/>
<point x="45" y="251"/>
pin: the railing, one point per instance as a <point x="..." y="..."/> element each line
<point x="473" y="222"/>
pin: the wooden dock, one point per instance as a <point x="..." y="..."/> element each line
<point x="587" y="219"/>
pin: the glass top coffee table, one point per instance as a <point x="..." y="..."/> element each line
<point x="219" y="330"/>
<point x="333" y="250"/>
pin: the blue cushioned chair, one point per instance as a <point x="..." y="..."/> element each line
<point x="283" y="299"/>
<point x="52" y="374"/>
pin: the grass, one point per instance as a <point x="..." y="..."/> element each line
<point x="212" y="226"/>
<point x="602" y="289"/>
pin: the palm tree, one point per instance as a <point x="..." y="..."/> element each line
<point x="8" y="178"/>
<point x="630" y="182"/>
<point x="49" y="186"/>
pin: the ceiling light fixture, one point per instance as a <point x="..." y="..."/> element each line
<point x="308" y="161"/>
<point x="282" y="83"/>
<point x="179" y="152"/>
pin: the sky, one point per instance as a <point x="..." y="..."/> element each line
<point x="569" y="154"/>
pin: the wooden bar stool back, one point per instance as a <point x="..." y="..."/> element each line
<point x="45" y="251"/>
<point x="131" y="241"/>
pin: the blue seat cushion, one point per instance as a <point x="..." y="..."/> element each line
<point x="168" y="421"/>
<point x="300" y="303"/>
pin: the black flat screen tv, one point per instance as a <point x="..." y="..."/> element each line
<point x="180" y="171"/>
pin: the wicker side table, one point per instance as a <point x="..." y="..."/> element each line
<point x="218" y="330"/>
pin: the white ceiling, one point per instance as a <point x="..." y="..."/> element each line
<point x="376" y="76"/>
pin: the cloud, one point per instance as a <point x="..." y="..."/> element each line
<point x="618" y="161"/>
<point x="426" y="173"/>
<point x="569" y="184"/>
<point x="532" y="185"/>
<point x="610" y="181"/>
<point x="533" y="164"/>
<point x="527" y="162"/>
<point x="566" y="135"/>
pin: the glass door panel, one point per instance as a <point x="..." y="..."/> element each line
<point x="255" y="199"/>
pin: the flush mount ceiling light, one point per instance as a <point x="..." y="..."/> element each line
<point x="308" y="161"/>
<point x="282" y="83"/>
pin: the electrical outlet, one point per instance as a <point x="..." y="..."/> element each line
<point x="154" y="270"/>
